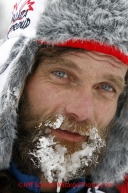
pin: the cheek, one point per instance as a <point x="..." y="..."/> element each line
<point x="43" y="95"/>
<point x="105" y="113"/>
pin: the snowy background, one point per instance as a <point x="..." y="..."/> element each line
<point x="6" y="7"/>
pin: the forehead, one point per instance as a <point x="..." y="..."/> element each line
<point x="97" y="57"/>
<point x="78" y="58"/>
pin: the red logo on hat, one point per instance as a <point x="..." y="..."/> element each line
<point x="21" y="9"/>
<point x="19" y="15"/>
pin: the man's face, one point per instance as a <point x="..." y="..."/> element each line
<point x="83" y="86"/>
<point x="72" y="95"/>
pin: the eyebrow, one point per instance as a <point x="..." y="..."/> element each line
<point x="119" y="81"/>
<point x="62" y="62"/>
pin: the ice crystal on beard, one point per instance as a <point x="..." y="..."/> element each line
<point x="57" y="123"/>
<point x="53" y="158"/>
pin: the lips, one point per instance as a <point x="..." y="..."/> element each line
<point x="74" y="137"/>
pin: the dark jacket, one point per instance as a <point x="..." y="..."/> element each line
<point x="8" y="184"/>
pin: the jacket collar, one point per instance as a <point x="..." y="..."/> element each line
<point x="32" y="182"/>
<point x="25" y="180"/>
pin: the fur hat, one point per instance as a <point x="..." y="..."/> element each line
<point x="97" y="25"/>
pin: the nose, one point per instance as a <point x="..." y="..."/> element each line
<point x="79" y="104"/>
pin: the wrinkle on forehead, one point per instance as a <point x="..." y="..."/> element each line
<point x="101" y="57"/>
<point x="108" y="58"/>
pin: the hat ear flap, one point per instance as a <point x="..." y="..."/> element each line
<point x="21" y="57"/>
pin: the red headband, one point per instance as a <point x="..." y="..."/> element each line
<point x="93" y="46"/>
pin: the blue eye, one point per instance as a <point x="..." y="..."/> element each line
<point x="107" y="87"/>
<point x="61" y="74"/>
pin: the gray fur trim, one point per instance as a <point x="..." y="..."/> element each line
<point x="98" y="20"/>
<point x="23" y="52"/>
<point x="15" y="51"/>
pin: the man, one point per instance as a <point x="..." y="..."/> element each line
<point x="64" y="97"/>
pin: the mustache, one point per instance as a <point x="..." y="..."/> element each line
<point x="68" y="124"/>
<point x="58" y="121"/>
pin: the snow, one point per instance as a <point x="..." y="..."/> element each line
<point x="9" y="95"/>
<point x="54" y="159"/>
<point x="57" y="123"/>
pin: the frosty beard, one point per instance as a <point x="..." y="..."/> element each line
<point x="54" y="159"/>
